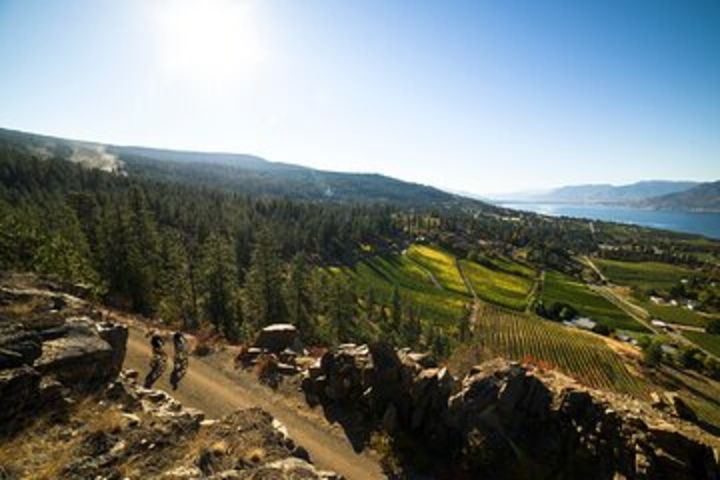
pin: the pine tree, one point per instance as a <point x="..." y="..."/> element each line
<point x="63" y="248"/>
<point x="264" y="303"/>
<point x="340" y="309"/>
<point x="176" y="299"/>
<point x="219" y="280"/>
<point x="298" y="296"/>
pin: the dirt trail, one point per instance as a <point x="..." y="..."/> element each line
<point x="213" y="391"/>
<point x="476" y="305"/>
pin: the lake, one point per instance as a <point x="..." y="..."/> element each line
<point x="707" y="224"/>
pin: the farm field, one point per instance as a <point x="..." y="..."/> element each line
<point x="709" y="342"/>
<point x="382" y="274"/>
<point x="643" y="275"/>
<point x="498" y="286"/>
<point x="507" y="265"/>
<point x="441" y="264"/>
<point x="581" y="355"/>
<point x="560" y="288"/>
<point x="699" y="391"/>
<point x="671" y="314"/>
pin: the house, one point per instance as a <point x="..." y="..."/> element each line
<point x="656" y="300"/>
<point x="668" y="349"/>
<point x="584" y="323"/>
<point x="659" y="324"/>
<point x="674" y="302"/>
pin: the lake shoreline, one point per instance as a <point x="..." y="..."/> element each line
<point x="704" y="223"/>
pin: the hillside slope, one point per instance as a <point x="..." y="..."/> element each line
<point x="247" y="174"/>
<point x="703" y="197"/>
<point x="606" y="193"/>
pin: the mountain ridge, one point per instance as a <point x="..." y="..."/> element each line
<point x="605" y="193"/>
<point x="240" y="173"/>
<point x="704" y="197"/>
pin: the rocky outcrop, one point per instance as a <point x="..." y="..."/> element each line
<point x="18" y="392"/>
<point x="505" y="420"/>
<point x="61" y="365"/>
<point x="49" y="346"/>
<point x="80" y="357"/>
<point x="132" y="432"/>
<point x="277" y="337"/>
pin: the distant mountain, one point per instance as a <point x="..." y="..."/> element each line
<point x="240" y="173"/>
<point x="703" y="197"/>
<point x="605" y="193"/>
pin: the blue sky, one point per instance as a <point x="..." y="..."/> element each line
<point x="478" y="96"/>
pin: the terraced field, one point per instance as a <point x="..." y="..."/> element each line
<point x="671" y="314"/>
<point x="699" y="391"/>
<point x="508" y="265"/>
<point x="652" y="275"/>
<point x="497" y="286"/>
<point x="382" y="274"/>
<point x="709" y="342"/>
<point x="441" y="264"/>
<point x="560" y="288"/>
<point x="581" y="355"/>
<point x="643" y="275"/>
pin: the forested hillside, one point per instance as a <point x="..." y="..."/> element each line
<point x="236" y="173"/>
<point x="178" y="241"/>
<point x="703" y="198"/>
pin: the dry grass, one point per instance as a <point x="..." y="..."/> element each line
<point x="23" y="308"/>
<point x="45" y="447"/>
<point x="37" y="453"/>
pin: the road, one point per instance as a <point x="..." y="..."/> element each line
<point x="217" y="393"/>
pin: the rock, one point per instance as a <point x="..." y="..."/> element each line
<point x="277" y="337"/>
<point x="679" y="407"/>
<point x="390" y="419"/>
<point x="287" y="369"/>
<point x="51" y="394"/>
<point x="292" y="467"/>
<point x="183" y="473"/>
<point x="19" y="389"/>
<point x="131" y="420"/>
<point x="116" y="336"/>
<point x="18" y="346"/>
<point x="81" y="359"/>
<point x="425" y="360"/>
<point x="501" y="408"/>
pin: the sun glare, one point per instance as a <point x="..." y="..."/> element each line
<point x="208" y="40"/>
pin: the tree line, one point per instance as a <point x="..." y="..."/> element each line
<point x="193" y="256"/>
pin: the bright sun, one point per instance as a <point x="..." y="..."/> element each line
<point x="207" y="40"/>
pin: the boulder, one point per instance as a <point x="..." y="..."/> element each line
<point x="18" y="396"/>
<point x="116" y="336"/>
<point x="277" y="337"/>
<point x="82" y="359"/>
<point x="293" y="467"/>
<point x="18" y="346"/>
<point x="679" y="407"/>
<point x="500" y="408"/>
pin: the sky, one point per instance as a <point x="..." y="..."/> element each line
<point x="475" y="96"/>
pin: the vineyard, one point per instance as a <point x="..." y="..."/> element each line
<point x="381" y="274"/>
<point x="643" y="275"/>
<point x="709" y="342"/>
<point x="498" y="286"/>
<point x="560" y="288"/>
<point x="583" y="356"/>
<point x="441" y="264"/>
<point x="671" y="314"/>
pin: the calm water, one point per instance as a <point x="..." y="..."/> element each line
<point x="707" y="224"/>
